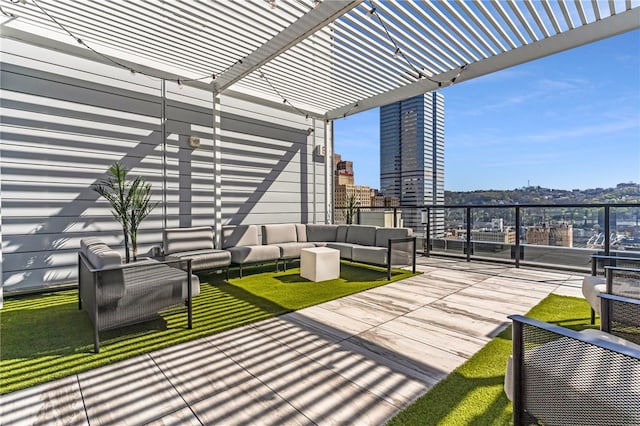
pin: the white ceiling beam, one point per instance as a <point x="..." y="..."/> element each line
<point x="536" y="17"/>
<point x="317" y="18"/>
<point x="566" y="14"/>
<point x="607" y="27"/>
<point x="514" y="28"/>
<point x="583" y="17"/>
<point x="523" y="20"/>
<point x="492" y="20"/>
<point x="423" y="21"/>
<point x="552" y="17"/>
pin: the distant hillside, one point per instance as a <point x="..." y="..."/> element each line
<point x="622" y="193"/>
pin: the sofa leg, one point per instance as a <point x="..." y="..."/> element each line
<point x="96" y="340"/>
<point x="240" y="271"/>
<point x="593" y="316"/>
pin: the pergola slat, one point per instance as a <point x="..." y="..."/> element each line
<point x="328" y="56"/>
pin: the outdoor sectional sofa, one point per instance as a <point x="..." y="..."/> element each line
<point x="242" y="245"/>
<point x="282" y="242"/>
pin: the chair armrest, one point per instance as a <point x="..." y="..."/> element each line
<point x="610" y="260"/>
<point x="620" y="280"/>
<point x="165" y="260"/>
<point x="620" y="316"/>
<point x="390" y="245"/>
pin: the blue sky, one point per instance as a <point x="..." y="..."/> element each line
<point x="568" y="121"/>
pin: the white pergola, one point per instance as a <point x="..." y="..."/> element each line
<point x="326" y="59"/>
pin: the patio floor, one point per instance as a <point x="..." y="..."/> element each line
<point x="355" y="360"/>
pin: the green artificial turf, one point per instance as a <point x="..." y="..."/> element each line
<point x="46" y="337"/>
<point x="473" y="394"/>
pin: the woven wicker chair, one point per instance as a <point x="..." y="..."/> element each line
<point x="115" y="295"/>
<point x="593" y="285"/>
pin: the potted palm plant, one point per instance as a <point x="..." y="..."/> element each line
<point x="351" y="207"/>
<point x="130" y="203"/>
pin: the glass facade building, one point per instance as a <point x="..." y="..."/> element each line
<point x="412" y="156"/>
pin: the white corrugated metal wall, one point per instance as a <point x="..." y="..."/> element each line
<point x="65" y="119"/>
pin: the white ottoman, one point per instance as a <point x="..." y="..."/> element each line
<point x="319" y="264"/>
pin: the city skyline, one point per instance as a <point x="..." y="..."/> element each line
<point x="546" y="123"/>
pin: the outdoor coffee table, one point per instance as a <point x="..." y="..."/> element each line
<point x="319" y="264"/>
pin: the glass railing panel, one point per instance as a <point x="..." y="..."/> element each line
<point x="449" y="237"/>
<point x="560" y="236"/>
<point x="553" y="235"/>
<point x="493" y="232"/>
<point x="624" y="225"/>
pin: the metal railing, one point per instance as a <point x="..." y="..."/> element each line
<point x="560" y="235"/>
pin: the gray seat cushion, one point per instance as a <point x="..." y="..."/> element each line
<point x="301" y="231"/>
<point x="345" y="249"/>
<point x="383" y="235"/>
<point x="292" y="250"/>
<point x="253" y="254"/>
<point x="99" y="254"/>
<point x="341" y="234"/>
<point x="240" y="235"/>
<point x="362" y="234"/>
<point x="279" y="233"/>
<point x="373" y="255"/>
<point x="179" y="240"/>
<point x="205" y="259"/>
<point x="322" y="233"/>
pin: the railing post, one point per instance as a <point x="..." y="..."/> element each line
<point x="427" y="237"/>
<point x="358" y="215"/>
<point x="607" y="231"/>
<point x="518" y="354"/>
<point x="395" y="217"/>
<point x="189" y="296"/>
<point x="517" y="249"/>
<point x="468" y="209"/>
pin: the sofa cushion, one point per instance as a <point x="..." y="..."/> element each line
<point x="366" y="254"/>
<point x="99" y="254"/>
<point x="239" y="235"/>
<point x="345" y="249"/>
<point x="254" y="254"/>
<point x="383" y="235"/>
<point x="279" y="233"/>
<point x="301" y="232"/>
<point x="202" y="260"/>
<point x="86" y="242"/>
<point x="322" y="232"/>
<point x="341" y="234"/>
<point x="362" y="234"/>
<point x="188" y="239"/>
<point x="292" y="250"/>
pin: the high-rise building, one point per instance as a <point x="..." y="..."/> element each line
<point x="412" y="157"/>
<point x="346" y="188"/>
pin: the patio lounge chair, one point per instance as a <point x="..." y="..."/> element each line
<point x="116" y="294"/>
<point x="558" y="376"/>
<point x="593" y="285"/>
